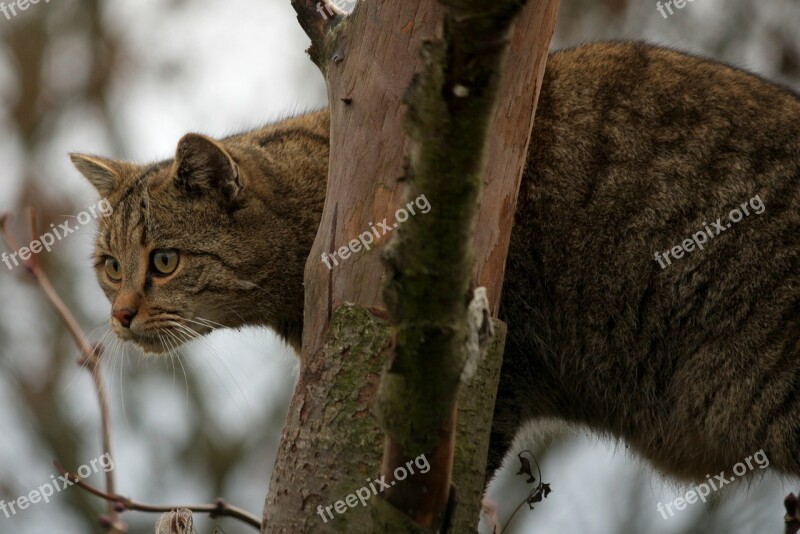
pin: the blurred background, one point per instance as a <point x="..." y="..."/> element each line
<point x="126" y="78"/>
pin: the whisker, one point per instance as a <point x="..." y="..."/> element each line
<point x="85" y="368"/>
<point x="255" y="286"/>
<point x="216" y="356"/>
<point x="104" y="322"/>
<point x="200" y="322"/>
<point x="80" y="369"/>
<point x="185" y="377"/>
<point x="237" y="314"/>
<point x="120" y="348"/>
<point x="171" y="348"/>
<point x="190" y="334"/>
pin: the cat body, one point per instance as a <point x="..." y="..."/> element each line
<point x="696" y="363"/>
<point x="692" y="358"/>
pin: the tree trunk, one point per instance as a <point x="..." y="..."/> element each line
<point x="331" y="443"/>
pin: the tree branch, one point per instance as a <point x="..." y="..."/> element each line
<point x="90" y="354"/>
<point x="450" y="111"/>
<point x="219" y="509"/>
<point x="317" y="19"/>
<point x="792" y="517"/>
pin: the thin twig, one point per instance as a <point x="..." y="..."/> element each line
<point x="535" y="494"/>
<point x="33" y="267"/>
<point x="90" y="358"/>
<point x="90" y="354"/>
<point x="791" y="518"/>
<point x="219" y="509"/>
<point x="92" y="361"/>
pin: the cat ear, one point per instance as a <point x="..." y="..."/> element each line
<point x="104" y="174"/>
<point x="203" y="166"/>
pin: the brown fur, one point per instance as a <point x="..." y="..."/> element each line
<point x="242" y="246"/>
<point x="634" y="149"/>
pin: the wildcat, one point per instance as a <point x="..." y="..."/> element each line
<point x="636" y="149"/>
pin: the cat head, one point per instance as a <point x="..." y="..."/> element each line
<point x="216" y="237"/>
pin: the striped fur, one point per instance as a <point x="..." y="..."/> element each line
<point x="634" y="149"/>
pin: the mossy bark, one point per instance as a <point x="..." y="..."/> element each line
<point x="332" y="433"/>
<point x="431" y="257"/>
<point x="330" y="441"/>
<point x="475" y="409"/>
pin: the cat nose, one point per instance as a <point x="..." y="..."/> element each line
<point x="124" y="316"/>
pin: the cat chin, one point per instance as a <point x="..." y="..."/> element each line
<point x="151" y="350"/>
<point x="158" y="344"/>
<point x="150" y="347"/>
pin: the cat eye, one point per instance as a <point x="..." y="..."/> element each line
<point x="165" y="261"/>
<point x="113" y="269"/>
